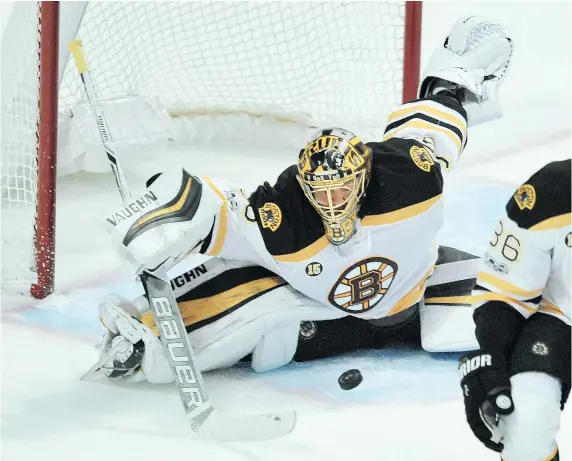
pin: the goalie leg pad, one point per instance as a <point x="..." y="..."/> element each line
<point x="446" y="316"/>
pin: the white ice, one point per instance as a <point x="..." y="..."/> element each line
<point x="409" y="406"/>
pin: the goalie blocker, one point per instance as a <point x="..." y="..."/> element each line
<point x="171" y="220"/>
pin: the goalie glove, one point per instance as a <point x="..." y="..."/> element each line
<point x="471" y="63"/>
<point x="129" y="349"/>
<point x="487" y="395"/>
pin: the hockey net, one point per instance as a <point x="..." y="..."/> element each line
<point x="160" y="65"/>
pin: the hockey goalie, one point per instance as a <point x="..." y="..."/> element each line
<point x="334" y="257"/>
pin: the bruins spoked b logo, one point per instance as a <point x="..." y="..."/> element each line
<point x="363" y="285"/>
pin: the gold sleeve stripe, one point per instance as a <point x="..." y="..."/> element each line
<point x="204" y="308"/>
<point x="505" y="286"/>
<point x="457" y="121"/>
<point x="222" y="220"/>
<point x="423" y="125"/>
<point x="413" y="296"/>
<point x="305" y="253"/>
<point x="553" y="223"/>
<point x="473" y="299"/>
<point x="399" y="215"/>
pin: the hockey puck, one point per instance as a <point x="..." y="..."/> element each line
<point x="350" y="379"/>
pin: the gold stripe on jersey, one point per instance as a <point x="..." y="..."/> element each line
<point x="399" y="215"/>
<point x="197" y="310"/>
<point x="423" y="125"/>
<point x="480" y="298"/>
<point x="553" y="223"/>
<point x="505" y="286"/>
<point x="304" y="253"/>
<point x="413" y="296"/>
<point x="222" y="220"/>
<point x="410" y="109"/>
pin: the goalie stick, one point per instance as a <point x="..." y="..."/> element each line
<point x="203" y="418"/>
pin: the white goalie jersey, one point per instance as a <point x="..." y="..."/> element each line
<point x="527" y="264"/>
<point x="380" y="272"/>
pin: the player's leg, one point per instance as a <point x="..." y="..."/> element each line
<point x="228" y="316"/>
<point x="540" y="369"/>
<point x="327" y="338"/>
<point x="446" y="311"/>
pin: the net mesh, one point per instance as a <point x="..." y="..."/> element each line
<point x="323" y="63"/>
<point x="19" y="142"/>
<point x="328" y="62"/>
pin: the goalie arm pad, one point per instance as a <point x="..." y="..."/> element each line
<point x="175" y="217"/>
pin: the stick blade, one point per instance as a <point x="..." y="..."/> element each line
<point x="228" y="427"/>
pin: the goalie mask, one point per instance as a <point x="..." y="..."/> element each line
<point x="333" y="171"/>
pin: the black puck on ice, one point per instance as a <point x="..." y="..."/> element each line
<point x="350" y="379"/>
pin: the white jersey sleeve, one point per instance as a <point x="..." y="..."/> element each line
<point x="235" y="234"/>
<point x="439" y="122"/>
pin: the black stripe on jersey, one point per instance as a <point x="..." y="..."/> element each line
<point x="446" y="100"/>
<point x="479" y="287"/>
<point x="396" y="181"/>
<point x="535" y="300"/>
<point x="427" y="118"/>
<point x="552" y="195"/>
